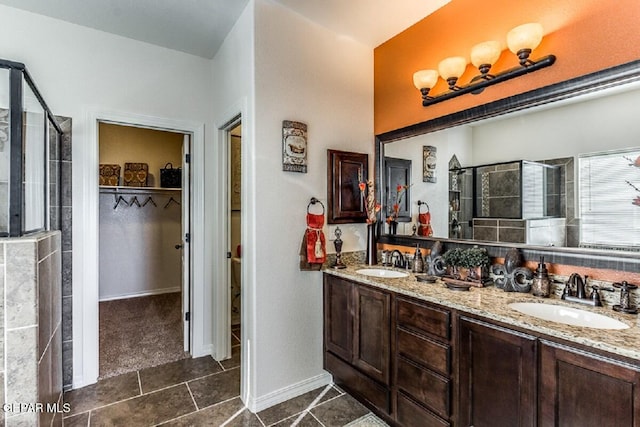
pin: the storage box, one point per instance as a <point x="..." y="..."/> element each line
<point x="135" y="174"/>
<point x="109" y="174"/>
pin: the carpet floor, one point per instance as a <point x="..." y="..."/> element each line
<point x="138" y="333"/>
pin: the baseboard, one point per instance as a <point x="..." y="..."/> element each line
<point x="142" y="294"/>
<point x="205" y="350"/>
<point x="261" y="403"/>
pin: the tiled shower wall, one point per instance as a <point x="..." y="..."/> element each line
<point x="63" y="208"/>
<point x="31" y="319"/>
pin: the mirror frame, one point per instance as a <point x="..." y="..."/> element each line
<point x="607" y="78"/>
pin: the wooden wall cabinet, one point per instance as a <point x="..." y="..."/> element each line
<point x="345" y="171"/>
<point x="357" y="329"/>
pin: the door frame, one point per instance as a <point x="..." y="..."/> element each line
<point x="85" y="286"/>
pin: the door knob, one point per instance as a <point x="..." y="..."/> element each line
<point x="178" y="246"/>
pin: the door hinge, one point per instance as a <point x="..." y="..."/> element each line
<point x="187" y="158"/>
<point x="187" y="238"/>
<point x="187" y="316"/>
<point x="228" y="255"/>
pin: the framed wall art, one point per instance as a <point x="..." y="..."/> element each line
<point x="294" y="146"/>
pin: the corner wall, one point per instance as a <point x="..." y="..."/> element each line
<point x="303" y="72"/>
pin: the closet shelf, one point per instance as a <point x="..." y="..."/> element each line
<point x="108" y="189"/>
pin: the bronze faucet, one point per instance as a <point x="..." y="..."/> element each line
<point x="580" y="293"/>
<point x="399" y="262"/>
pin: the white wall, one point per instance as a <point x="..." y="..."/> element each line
<point x="137" y="253"/>
<point x="306" y="73"/>
<point x="79" y="70"/>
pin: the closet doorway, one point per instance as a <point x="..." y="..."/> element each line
<point x="144" y="284"/>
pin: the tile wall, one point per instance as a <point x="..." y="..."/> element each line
<point x="31" y="320"/>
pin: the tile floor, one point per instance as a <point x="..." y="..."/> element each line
<point x="203" y="392"/>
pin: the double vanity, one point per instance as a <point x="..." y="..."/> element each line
<point x="420" y="354"/>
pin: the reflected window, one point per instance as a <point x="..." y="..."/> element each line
<point x="609" y="186"/>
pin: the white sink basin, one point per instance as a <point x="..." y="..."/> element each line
<point x="567" y="315"/>
<point x="382" y="273"/>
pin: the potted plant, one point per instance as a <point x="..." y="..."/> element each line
<point x="468" y="264"/>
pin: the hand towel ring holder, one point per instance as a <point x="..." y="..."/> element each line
<point x="313" y="201"/>
<point x="420" y="206"/>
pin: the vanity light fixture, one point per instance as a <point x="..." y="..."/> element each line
<point x="521" y="40"/>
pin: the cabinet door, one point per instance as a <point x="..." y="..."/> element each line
<point x="497" y="374"/>
<point x="338" y="317"/>
<point x="371" y="350"/>
<point x="582" y="389"/>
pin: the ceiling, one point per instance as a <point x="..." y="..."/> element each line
<point x="198" y="27"/>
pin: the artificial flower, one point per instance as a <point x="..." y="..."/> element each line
<point x="371" y="205"/>
<point x="400" y="190"/>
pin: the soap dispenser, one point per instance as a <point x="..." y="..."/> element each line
<point x="418" y="262"/>
<point x="541" y="286"/>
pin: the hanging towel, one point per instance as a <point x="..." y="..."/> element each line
<point x="316" y="246"/>
<point x="304" y="264"/>
<point x="424" y="224"/>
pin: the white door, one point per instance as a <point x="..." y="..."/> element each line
<point x="186" y="247"/>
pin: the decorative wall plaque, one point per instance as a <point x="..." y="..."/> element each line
<point x="429" y="163"/>
<point x="294" y="146"/>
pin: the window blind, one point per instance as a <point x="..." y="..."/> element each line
<point x="609" y="189"/>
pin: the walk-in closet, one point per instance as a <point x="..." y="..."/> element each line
<point x="141" y="228"/>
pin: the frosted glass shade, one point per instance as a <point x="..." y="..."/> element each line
<point x="452" y="67"/>
<point x="425" y="79"/>
<point x="526" y="36"/>
<point x="486" y="53"/>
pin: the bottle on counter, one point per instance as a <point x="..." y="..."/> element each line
<point x="541" y="286"/>
<point x="418" y="262"/>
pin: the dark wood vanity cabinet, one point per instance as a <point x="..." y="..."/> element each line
<point x="422" y="374"/>
<point x="497" y="370"/>
<point x="357" y="325"/>
<point x="420" y="364"/>
<point x="578" y="388"/>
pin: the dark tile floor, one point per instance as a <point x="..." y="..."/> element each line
<point x="203" y="392"/>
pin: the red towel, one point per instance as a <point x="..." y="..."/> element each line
<point x="316" y="246"/>
<point x="424" y="224"/>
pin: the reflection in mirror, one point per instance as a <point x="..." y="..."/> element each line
<point x="561" y="134"/>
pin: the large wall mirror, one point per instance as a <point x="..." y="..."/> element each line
<point x="555" y="167"/>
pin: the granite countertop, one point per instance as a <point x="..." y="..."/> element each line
<point x="492" y="303"/>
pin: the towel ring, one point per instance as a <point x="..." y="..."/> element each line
<point x="420" y="204"/>
<point x="313" y="201"/>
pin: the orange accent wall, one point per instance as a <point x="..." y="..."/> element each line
<point x="585" y="35"/>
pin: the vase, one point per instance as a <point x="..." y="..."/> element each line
<point x="372" y="247"/>
<point x="393" y="227"/>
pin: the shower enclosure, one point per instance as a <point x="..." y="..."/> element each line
<point x="30" y="142"/>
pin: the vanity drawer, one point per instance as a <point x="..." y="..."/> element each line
<point x="410" y="414"/>
<point x="424" y="351"/>
<point x="426" y="387"/>
<point x="417" y="316"/>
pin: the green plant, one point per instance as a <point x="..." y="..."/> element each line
<point x="467" y="258"/>
<point x="452" y="257"/>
